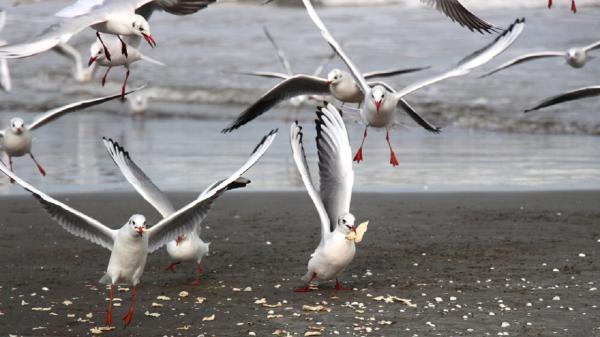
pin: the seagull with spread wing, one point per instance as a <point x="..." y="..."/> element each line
<point x="568" y="96"/>
<point x="576" y="57"/>
<point x="340" y="83"/>
<point x="16" y="140"/>
<point x="380" y="101"/>
<point x="186" y="247"/>
<point x="335" y="250"/>
<point x="131" y="244"/>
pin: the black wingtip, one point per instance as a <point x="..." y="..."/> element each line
<point x="264" y="139"/>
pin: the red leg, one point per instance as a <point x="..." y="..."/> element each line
<point x="106" y="52"/>
<point x="549" y="3"/>
<point x="339" y="286"/>
<point x="306" y="287"/>
<point x="108" y="317"/>
<point x="39" y="167"/>
<point x="393" y="159"/>
<point x="573" y="6"/>
<point x="124" y="84"/>
<point x="196" y="281"/>
<point x="105" y="74"/>
<point x="129" y="315"/>
<point x="179" y="239"/>
<point x="359" y="156"/>
<point x="10" y="168"/>
<point x="171" y="267"/>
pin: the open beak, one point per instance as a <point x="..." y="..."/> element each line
<point x="378" y="105"/>
<point x="91" y="61"/>
<point x="149" y="39"/>
<point x="328" y="82"/>
<point x="140" y="230"/>
<point x="352" y="228"/>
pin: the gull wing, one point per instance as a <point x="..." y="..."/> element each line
<point x="525" y="58"/>
<point x="59" y="32"/>
<point x="323" y="64"/>
<point x="59" y="112"/>
<point x="5" y="82"/>
<point x="293" y="86"/>
<point x="69" y="218"/>
<point x="267" y="74"/>
<point x="300" y="160"/>
<point x="280" y="54"/>
<point x="476" y="59"/>
<point x="461" y="15"/>
<point x="358" y="76"/>
<point x="392" y="72"/>
<point x="138" y="179"/>
<point x="568" y="96"/>
<point x="190" y="216"/>
<point x="592" y="46"/>
<point x="335" y="163"/>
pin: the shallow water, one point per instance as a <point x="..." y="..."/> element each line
<point x="200" y="49"/>
<point x="189" y="154"/>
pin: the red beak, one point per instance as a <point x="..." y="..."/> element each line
<point x="140" y="230"/>
<point x="91" y="61"/>
<point x="352" y="228"/>
<point x="149" y="39"/>
<point x="328" y="82"/>
<point x="378" y="105"/>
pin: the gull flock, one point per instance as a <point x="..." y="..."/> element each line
<point x="120" y="26"/>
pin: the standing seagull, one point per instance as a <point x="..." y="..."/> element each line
<point x="98" y="55"/>
<point x="381" y="101"/>
<point x="573" y="5"/>
<point x="576" y="57"/>
<point x="16" y="140"/>
<point x="188" y="247"/>
<point x="115" y="17"/>
<point x="131" y="244"/>
<point x="568" y="96"/>
<point x="334" y="252"/>
<point x="4" y="71"/>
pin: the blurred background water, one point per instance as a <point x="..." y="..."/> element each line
<point x="487" y="143"/>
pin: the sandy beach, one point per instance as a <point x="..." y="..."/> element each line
<point x="474" y="264"/>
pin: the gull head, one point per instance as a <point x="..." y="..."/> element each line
<point x="576" y="57"/>
<point x="141" y="28"/>
<point x="335" y="76"/>
<point x="346" y="224"/>
<point x="17" y="125"/>
<point x="96" y="53"/>
<point x="378" y="94"/>
<point x="137" y="225"/>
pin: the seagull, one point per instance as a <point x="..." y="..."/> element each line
<point x="81" y="73"/>
<point x="4" y="71"/>
<point x="131" y="244"/>
<point x="568" y="96"/>
<point x="380" y="101"/>
<point x="341" y="84"/>
<point x="188" y="247"/>
<point x="98" y="55"/>
<point x="573" y="5"/>
<point x="576" y="57"/>
<point x="114" y="17"/>
<point x="334" y="252"/>
<point x="16" y="141"/>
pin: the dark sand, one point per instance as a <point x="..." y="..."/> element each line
<point x="470" y="262"/>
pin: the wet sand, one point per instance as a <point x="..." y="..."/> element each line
<point x="474" y="264"/>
